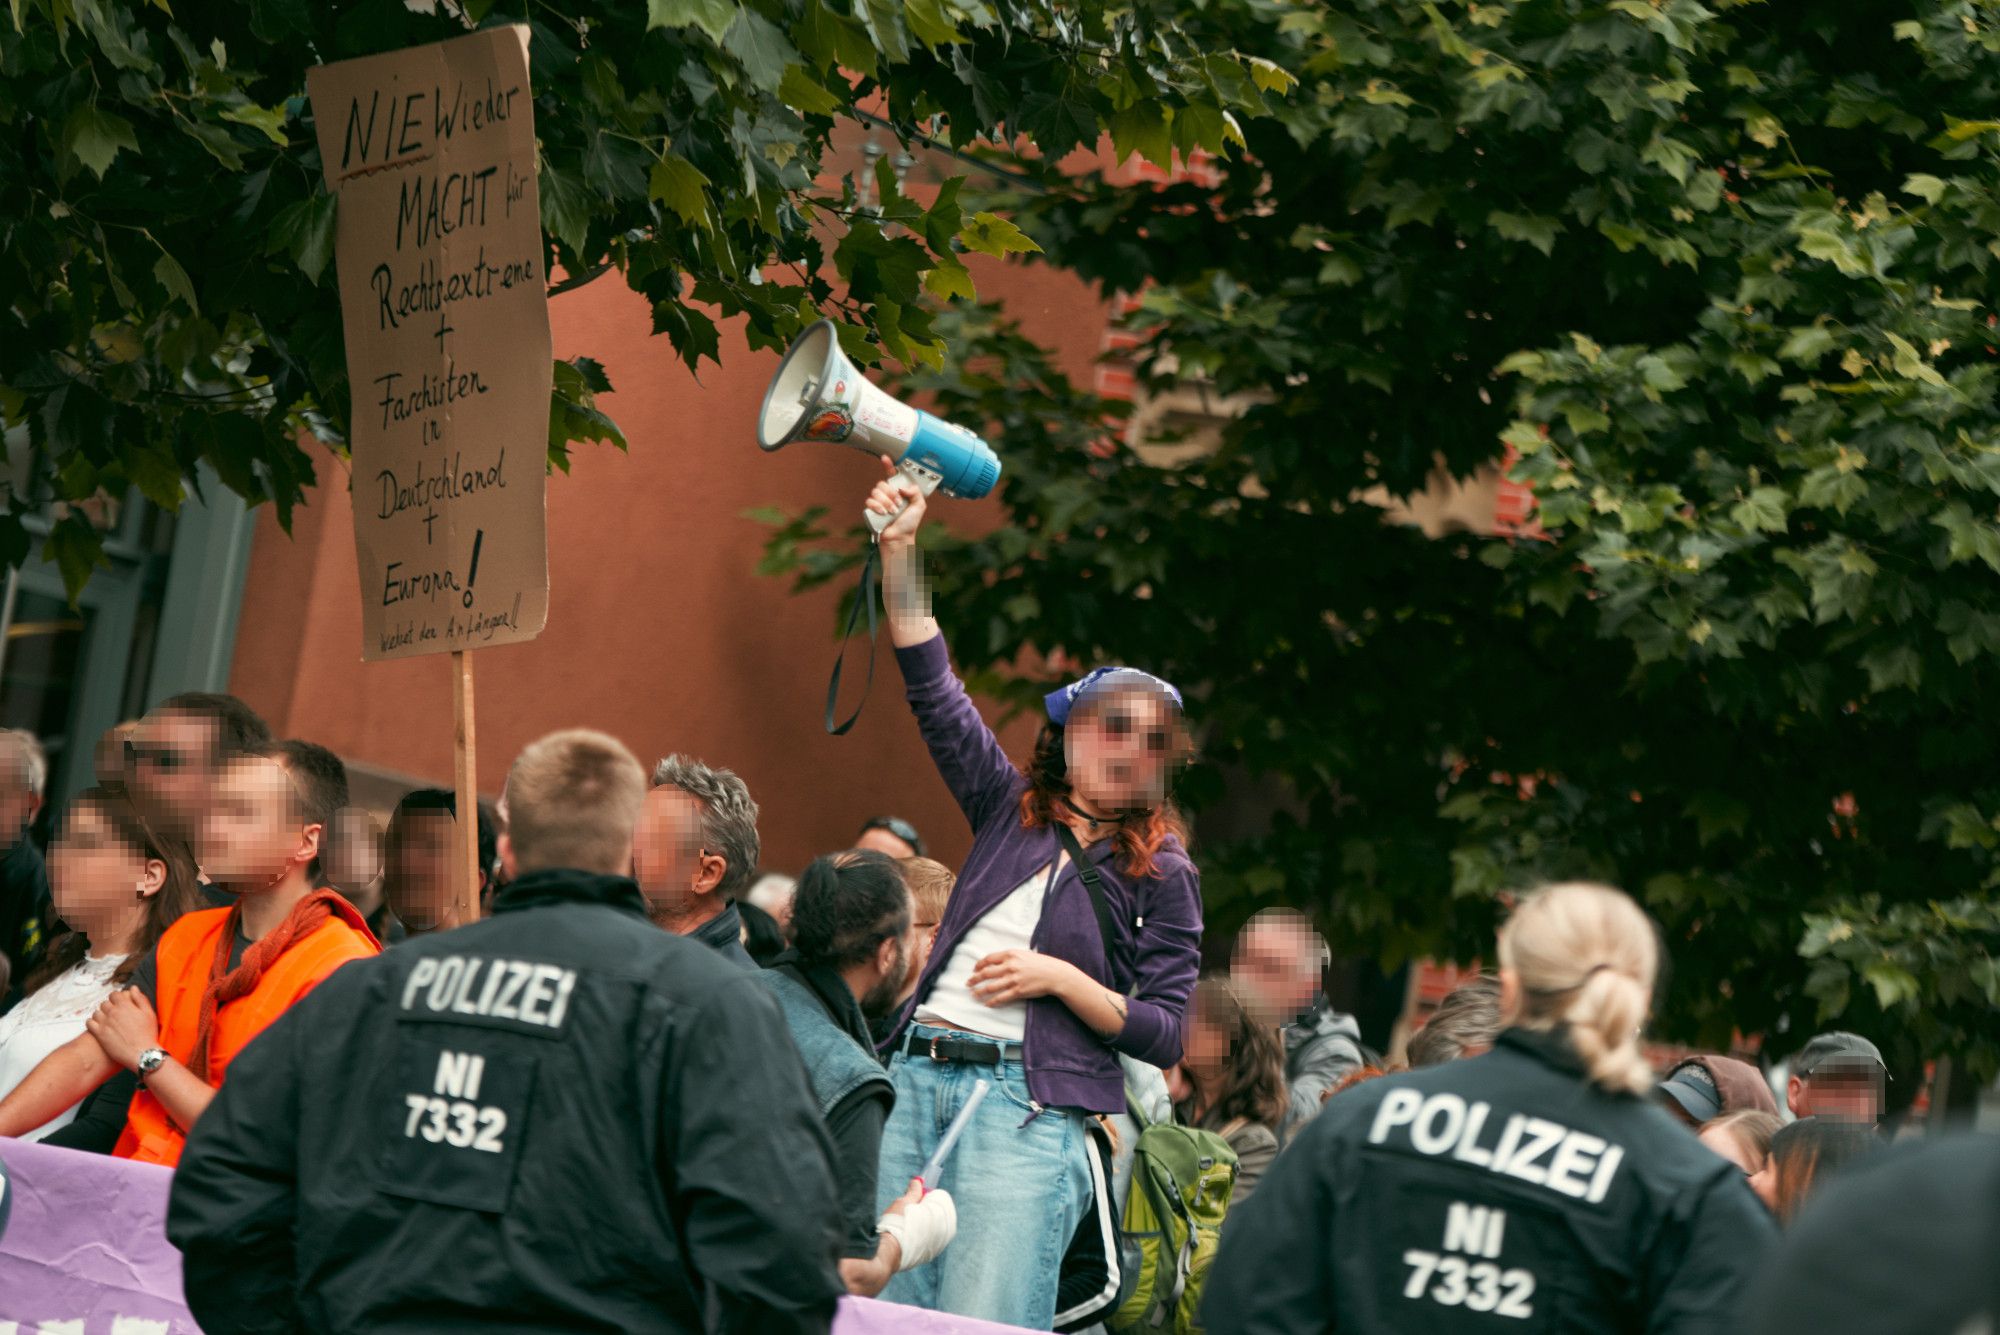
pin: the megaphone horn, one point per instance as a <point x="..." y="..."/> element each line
<point x="818" y="395"/>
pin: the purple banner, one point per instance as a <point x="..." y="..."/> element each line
<point x="85" y="1252"/>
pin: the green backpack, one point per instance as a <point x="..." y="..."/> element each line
<point x="1181" y="1181"/>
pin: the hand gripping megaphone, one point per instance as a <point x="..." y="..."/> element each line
<point x="818" y="395"/>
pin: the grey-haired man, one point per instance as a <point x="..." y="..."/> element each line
<point x="26" y="909"/>
<point x="695" y="850"/>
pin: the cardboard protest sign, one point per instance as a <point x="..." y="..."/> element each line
<point x="438" y="252"/>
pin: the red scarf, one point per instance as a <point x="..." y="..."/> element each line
<point x="226" y="985"/>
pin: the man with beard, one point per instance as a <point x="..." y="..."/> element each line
<point x="854" y="934"/>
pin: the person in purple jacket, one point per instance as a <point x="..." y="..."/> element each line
<point x="1032" y="985"/>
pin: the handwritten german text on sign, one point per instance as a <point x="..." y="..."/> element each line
<point x="438" y="249"/>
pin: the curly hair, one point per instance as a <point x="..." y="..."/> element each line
<point x="1140" y="835"/>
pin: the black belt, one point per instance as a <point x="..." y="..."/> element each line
<point x="968" y="1051"/>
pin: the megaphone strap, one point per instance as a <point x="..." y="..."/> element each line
<point x="864" y="597"/>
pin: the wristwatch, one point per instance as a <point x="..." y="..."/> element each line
<point x="151" y="1060"/>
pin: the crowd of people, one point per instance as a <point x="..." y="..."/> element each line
<point x="654" y="1086"/>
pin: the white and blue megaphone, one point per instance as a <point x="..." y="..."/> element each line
<point x="818" y="395"/>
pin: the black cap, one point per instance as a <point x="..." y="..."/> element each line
<point x="1693" y="1088"/>
<point x="1839" y="1051"/>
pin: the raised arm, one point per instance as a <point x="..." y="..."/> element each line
<point x="967" y="755"/>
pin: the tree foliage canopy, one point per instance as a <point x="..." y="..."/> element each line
<point x="1722" y="274"/>
<point x="166" y="240"/>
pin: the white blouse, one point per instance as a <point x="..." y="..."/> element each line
<point x="1008" y="925"/>
<point x="53" y="1015"/>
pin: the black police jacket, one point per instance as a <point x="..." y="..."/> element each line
<point x="1503" y="1193"/>
<point x="558" y="1119"/>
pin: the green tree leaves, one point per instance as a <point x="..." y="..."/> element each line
<point x="304" y="231"/>
<point x="1726" y="289"/>
<point x="93" y="137"/>
<point x="990" y="234"/>
<point x="169" y="245"/>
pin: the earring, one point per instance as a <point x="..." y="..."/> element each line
<point x="141" y="891"/>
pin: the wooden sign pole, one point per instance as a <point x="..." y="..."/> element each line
<point x="465" y="857"/>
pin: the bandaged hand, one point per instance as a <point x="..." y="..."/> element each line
<point x="923" y="1229"/>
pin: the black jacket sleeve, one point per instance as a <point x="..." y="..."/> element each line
<point x="855" y="1125"/>
<point x="747" y="1167"/>
<point x="1272" y="1273"/>
<point x="101" y="1119"/>
<point x="235" y="1193"/>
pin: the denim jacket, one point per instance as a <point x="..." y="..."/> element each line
<point x="1156" y="955"/>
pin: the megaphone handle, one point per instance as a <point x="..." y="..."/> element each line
<point x="927" y="482"/>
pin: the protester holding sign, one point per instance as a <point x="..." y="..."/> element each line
<point x="1040" y="977"/>
<point x="1536" y="1183"/>
<point x="556" y="1118"/>
<point x="218" y="977"/>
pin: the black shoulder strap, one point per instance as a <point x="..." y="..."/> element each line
<point x="864" y="596"/>
<point x="1091" y="881"/>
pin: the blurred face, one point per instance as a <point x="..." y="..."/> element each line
<point x="253" y="835"/>
<point x="171" y="761"/>
<point x="1277" y="971"/>
<point x="883" y="842"/>
<point x="1121" y="748"/>
<point x="416" y="877"/>
<point x="93" y="873"/>
<point x="1726" y="1144"/>
<point x="923" y="936"/>
<point x="1206" y="1049"/>
<point x="677" y="875"/>
<point x="1842" y="1095"/>
<point x="18" y="805"/>
<point x="354" y="853"/>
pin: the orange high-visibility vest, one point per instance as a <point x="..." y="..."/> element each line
<point x="185" y="955"/>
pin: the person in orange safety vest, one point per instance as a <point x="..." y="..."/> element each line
<point x="218" y="977"/>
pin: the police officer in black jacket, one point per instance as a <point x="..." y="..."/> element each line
<point x="559" y="1118"/>
<point x="1531" y="1189"/>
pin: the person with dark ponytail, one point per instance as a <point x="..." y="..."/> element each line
<point x="853" y="934"/>
<point x="1072" y="939"/>
<point x="118" y="886"/>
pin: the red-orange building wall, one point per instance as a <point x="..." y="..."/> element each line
<point x="659" y="631"/>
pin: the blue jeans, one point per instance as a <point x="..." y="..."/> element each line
<point x="1018" y="1177"/>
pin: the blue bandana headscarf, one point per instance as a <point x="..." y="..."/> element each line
<point x="1059" y="703"/>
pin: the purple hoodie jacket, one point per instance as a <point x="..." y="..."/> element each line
<point x="1153" y="962"/>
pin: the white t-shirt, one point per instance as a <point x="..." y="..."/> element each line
<point x="49" y="1018"/>
<point x="1008" y="925"/>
